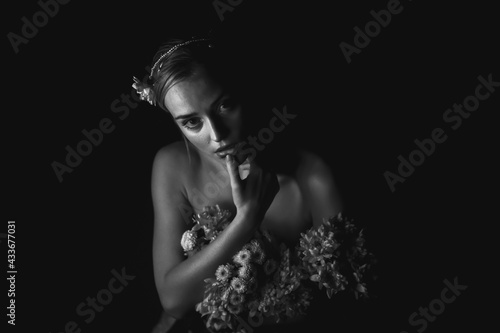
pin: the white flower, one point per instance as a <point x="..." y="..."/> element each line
<point x="223" y="273"/>
<point x="245" y="271"/>
<point x="235" y="308"/>
<point x="256" y="245"/>
<point x="188" y="241"/>
<point x="256" y="250"/>
<point x="144" y="90"/>
<point x="259" y="256"/>
<point x="248" y="246"/>
<point x="239" y="285"/>
<point x="236" y="298"/>
<point x="242" y="257"/>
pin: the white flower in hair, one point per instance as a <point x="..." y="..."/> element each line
<point x="144" y="90"/>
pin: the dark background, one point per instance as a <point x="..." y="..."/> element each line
<point x="359" y="116"/>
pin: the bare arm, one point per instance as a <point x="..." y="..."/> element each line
<point x="180" y="281"/>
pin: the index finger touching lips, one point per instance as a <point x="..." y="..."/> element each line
<point x="244" y="169"/>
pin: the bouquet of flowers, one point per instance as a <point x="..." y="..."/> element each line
<point x="334" y="256"/>
<point x="265" y="280"/>
<point x="208" y="224"/>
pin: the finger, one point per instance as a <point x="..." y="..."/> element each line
<point x="240" y="154"/>
<point x="253" y="165"/>
<point x="244" y="169"/>
<point x="244" y="172"/>
<point x="232" y="169"/>
<point x="245" y="163"/>
<point x="254" y="179"/>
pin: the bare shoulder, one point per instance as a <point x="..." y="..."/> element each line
<point x="320" y="188"/>
<point x="171" y="155"/>
<point x="169" y="164"/>
<point x="312" y="168"/>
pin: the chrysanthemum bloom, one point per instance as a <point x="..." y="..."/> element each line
<point x="223" y="273"/>
<point x="259" y="256"/>
<point x="269" y="266"/>
<point x="236" y="298"/>
<point x="245" y="272"/>
<point x="188" y="241"/>
<point x="256" y="319"/>
<point x="239" y="285"/>
<point x="242" y="257"/>
<point x="248" y="247"/>
<point x="258" y="253"/>
<point x="235" y="308"/>
<point x="256" y="245"/>
<point x="253" y="307"/>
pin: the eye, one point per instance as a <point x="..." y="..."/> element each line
<point x="226" y="105"/>
<point x="192" y="123"/>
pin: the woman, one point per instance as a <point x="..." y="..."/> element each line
<point x="191" y="82"/>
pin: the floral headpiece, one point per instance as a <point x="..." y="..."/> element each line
<point x="144" y="89"/>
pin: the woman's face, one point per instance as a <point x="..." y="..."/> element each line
<point x="206" y="114"/>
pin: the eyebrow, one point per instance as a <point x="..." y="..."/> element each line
<point x="184" y="116"/>
<point x="188" y="115"/>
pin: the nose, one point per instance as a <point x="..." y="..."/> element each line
<point x="218" y="130"/>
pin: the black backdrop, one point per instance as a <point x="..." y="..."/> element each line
<point x="359" y="116"/>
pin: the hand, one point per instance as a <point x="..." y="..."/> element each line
<point x="254" y="195"/>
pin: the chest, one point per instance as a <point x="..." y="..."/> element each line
<point x="286" y="218"/>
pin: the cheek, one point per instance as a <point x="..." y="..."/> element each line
<point x="199" y="139"/>
<point x="236" y="122"/>
<point x="239" y="127"/>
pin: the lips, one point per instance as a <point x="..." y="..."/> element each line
<point x="225" y="148"/>
<point x="230" y="149"/>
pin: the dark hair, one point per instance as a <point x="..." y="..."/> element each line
<point x="181" y="64"/>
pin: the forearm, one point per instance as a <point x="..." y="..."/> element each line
<point x="182" y="287"/>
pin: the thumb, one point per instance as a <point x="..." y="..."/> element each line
<point x="234" y="175"/>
